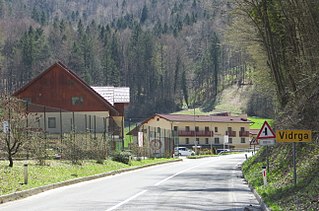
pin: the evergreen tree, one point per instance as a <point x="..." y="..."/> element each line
<point x="144" y="14"/>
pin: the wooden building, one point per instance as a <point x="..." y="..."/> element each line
<point x="60" y="101"/>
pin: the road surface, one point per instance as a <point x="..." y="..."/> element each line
<point x="194" y="184"/>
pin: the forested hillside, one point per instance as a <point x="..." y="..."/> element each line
<point x="172" y="54"/>
<point x="282" y="38"/>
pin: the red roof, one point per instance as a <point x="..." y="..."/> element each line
<point x="202" y="118"/>
<point x="192" y="118"/>
<point x="52" y="88"/>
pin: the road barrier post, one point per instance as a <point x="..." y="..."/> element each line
<point x="264" y="173"/>
<point x="25" y="173"/>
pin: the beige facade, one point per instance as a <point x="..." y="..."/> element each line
<point x="200" y="130"/>
<point x="63" y="122"/>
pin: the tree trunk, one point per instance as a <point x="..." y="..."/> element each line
<point x="10" y="161"/>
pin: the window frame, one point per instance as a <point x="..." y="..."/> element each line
<point x="51" y="122"/>
<point x="77" y="100"/>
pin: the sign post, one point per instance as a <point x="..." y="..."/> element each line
<point x="254" y="142"/>
<point x="294" y="136"/>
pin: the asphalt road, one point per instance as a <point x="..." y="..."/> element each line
<point x="202" y="184"/>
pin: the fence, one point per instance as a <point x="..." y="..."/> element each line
<point x="53" y="132"/>
<point x="153" y="141"/>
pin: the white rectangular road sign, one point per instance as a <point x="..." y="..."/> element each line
<point x="5" y="126"/>
<point x="226" y="138"/>
<point x="267" y="142"/>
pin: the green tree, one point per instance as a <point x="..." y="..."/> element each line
<point x="34" y="49"/>
<point x="144" y="14"/>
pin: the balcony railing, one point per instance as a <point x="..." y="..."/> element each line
<point x="195" y="133"/>
<point x="244" y="133"/>
<point x="231" y="133"/>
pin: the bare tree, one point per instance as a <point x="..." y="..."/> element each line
<point x="14" y="118"/>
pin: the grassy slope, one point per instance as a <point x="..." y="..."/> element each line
<point x="258" y="122"/>
<point x="281" y="194"/>
<point x="232" y="99"/>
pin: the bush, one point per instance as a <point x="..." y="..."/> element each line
<point x="123" y="157"/>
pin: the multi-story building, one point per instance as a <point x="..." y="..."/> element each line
<point x="204" y="131"/>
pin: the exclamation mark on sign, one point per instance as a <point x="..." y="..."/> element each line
<point x="265" y="131"/>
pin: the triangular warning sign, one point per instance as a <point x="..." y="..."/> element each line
<point x="266" y="132"/>
<point x="254" y="141"/>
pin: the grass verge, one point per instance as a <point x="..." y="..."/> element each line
<point x="11" y="179"/>
<point x="200" y="156"/>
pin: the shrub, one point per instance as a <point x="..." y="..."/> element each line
<point x="123" y="157"/>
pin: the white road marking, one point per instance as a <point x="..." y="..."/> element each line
<point x="156" y="184"/>
<point x="127" y="200"/>
<point x="174" y="175"/>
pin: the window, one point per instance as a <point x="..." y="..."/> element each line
<point x="216" y="129"/>
<point x="37" y="119"/>
<point x="77" y="100"/>
<point x="216" y="140"/>
<point x="187" y="140"/>
<point x="196" y="128"/>
<point x="206" y="141"/>
<point x="242" y="129"/>
<point x="242" y="140"/>
<point x="27" y="100"/>
<point x="159" y="130"/>
<point x="187" y="128"/>
<point x="206" y="129"/>
<point x="90" y="122"/>
<point x="229" y="129"/>
<point x="51" y="122"/>
<point x="175" y="128"/>
<point x="230" y="140"/>
<point x="197" y="140"/>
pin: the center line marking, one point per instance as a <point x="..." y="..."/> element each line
<point x="174" y="175"/>
<point x="127" y="200"/>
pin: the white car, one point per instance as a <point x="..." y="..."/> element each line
<point x="183" y="151"/>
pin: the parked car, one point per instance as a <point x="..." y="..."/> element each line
<point x="222" y="150"/>
<point x="183" y="151"/>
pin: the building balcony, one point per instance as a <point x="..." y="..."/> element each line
<point x="231" y="133"/>
<point x="244" y="133"/>
<point x="195" y="133"/>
